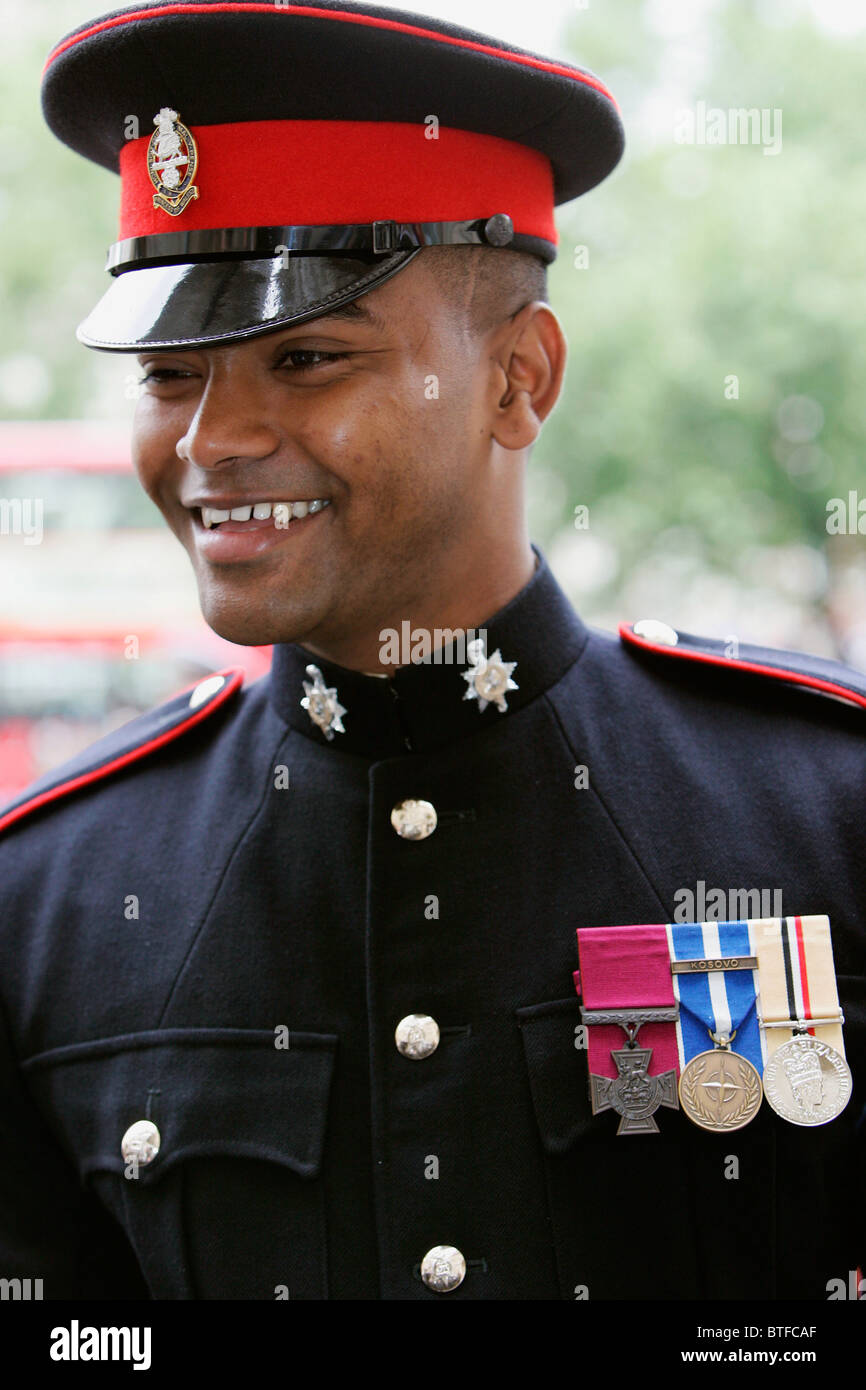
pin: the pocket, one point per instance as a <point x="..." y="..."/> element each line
<point x="641" y="1216"/>
<point x="557" y="1073"/>
<point x="232" y="1204"/>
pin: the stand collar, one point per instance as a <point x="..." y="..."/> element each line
<point x="423" y="706"/>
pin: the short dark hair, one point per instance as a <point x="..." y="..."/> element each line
<point x="486" y="284"/>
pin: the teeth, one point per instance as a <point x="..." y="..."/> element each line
<point x="283" y="512"/>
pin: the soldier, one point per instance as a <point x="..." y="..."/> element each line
<point x="288" y="972"/>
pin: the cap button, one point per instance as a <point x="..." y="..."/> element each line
<point x="499" y="230"/>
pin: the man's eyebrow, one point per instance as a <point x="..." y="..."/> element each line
<point x="352" y="310"/>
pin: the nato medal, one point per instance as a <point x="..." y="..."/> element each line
<point x="720" y="1090"/>
<point x="807" y="1081"/>
<point x="172" y="159"/>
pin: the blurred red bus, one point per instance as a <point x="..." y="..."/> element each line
<point x="99" y="616"/>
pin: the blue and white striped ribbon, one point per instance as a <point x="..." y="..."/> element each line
<point x="717" y="1001"/>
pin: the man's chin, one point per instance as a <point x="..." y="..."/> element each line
<point x="256" y="607"/>
<point x="247" y="629"/>
<point x="248" y="624"/>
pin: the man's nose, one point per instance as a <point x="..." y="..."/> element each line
<point x="230" y="423"/>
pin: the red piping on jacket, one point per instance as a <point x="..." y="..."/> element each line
<point x="235" y="677"/>
<point x="342" y="15"/>
<point x="815" y="682"/>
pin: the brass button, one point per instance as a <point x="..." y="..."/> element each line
<point x="414" y="820"/>
<point x="140" y="1143"/>
<point x="443" y="1268"/>
<point x="417" y="1036"/>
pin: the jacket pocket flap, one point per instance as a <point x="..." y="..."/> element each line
<point x="209" y="1091"/>
<point x="557" y="1072"/>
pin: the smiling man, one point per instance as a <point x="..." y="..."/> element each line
<point x="363" y="466"/>
<point x="290" y="974"/>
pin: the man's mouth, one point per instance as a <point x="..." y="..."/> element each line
<point x="256" y="515"/>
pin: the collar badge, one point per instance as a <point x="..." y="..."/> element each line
<point x="488" y="679"/>
<point x="322" y="705"/>
<point x="172" y="159"/>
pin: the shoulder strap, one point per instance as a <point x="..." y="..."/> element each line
<point x="832" y="678"/>
<point x="129" y="744"/>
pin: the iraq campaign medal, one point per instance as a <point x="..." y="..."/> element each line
<point x="172" y="159"/>
<point x="715" y="982"/>
<point x="626" y="985"/>
<point x="806" y="1079"/>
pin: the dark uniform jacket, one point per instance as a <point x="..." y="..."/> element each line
<point x="170" y="907"/>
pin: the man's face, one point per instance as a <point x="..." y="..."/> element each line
<point x="383" y="419"/>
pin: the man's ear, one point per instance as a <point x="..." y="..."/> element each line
<point x="530" y="353"/>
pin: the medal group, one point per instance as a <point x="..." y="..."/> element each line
<point x="725" y="1013"/>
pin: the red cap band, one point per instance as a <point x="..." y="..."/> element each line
<point x="319" y="173"/>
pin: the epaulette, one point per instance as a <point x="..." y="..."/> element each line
<point x="830" y="678"/>
<point x="129" y="744"/>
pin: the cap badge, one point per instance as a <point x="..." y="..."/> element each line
<point x="172" y="159"/>
<point x="488" y="679"/>
<point x="322" y="705"/>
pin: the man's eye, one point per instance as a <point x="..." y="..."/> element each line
<point x="309" y="359"/>
<point x="161" y="374"/>
<point x="298" y="359"/>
